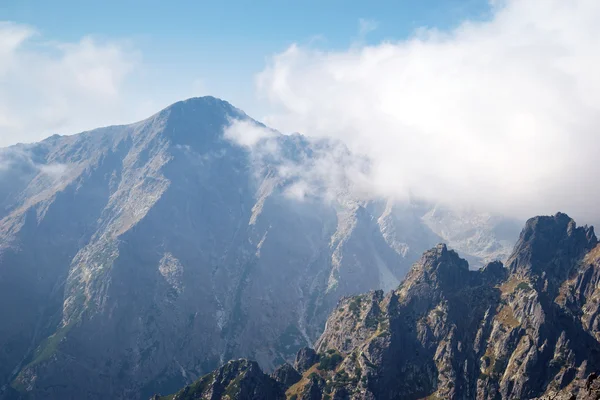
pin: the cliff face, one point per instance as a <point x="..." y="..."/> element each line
<point x="137" y="258"/>
<point x="526" y="331"/>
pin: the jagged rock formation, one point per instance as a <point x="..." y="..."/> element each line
<point x="240" y="379"/>
<point x="588" y="389"/>
<point x="137" y="258"/>
<point x="305" y="359"/>
<point x="286" y="375"/>
<point x="526" y="331"/>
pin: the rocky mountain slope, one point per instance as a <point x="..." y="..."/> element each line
<point x="136" y="258"/>
<point x="521" y="331"/>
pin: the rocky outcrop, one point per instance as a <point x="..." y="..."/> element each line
<point x="241" y="379"/>
<point x="286" y="375"/>
<point x="547" y="249"/>
<point x="305" y="359"/>
<point x="523" y="332"/>
<point x="588" y="389"/>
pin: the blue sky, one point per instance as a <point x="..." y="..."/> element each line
<point x="217" y="47"/>
<point x="267" y="24"/>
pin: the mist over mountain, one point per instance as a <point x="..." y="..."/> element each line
<point x="137" y="258"/>
<point x="498" y="111"/>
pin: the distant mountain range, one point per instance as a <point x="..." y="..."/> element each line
<point x="135" y="259"/>
<point x="527" y="330"/>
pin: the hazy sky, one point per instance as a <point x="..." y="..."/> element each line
<point x="472" y="103"/>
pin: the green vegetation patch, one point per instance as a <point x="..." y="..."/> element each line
<point x="523" y="286"/>
<point x="49" y="347"/>
<point x="354" y="306"/>
<point x="330" y="361"/>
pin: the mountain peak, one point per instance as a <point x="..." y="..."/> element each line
<point x="203" y="102"/>
<point x="238" y="379"/>
<point x="197" y="121"/>
<point x="205" y="106"/>
<point x="494" y="271"/>
<point x="441" y="248"/>
<point x="441" y="257"/>
<point x="438" y="267"/>
<point x="548" y="245"/>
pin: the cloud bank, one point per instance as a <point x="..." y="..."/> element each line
<point x="502" y="115"/>
<point x="15" y="161"/>
<point x="308" y="168"/>
<point x="51" y="87"/>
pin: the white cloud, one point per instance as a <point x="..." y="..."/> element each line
<point x="11" y="158"/>
<point x="48" y="87"/>
<point x="247" y="133"/>
<point x="54" y="170"/>
<point x="502" y="114"/>
<point x="308" y="168"/>
<point x="20" y="160"/>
